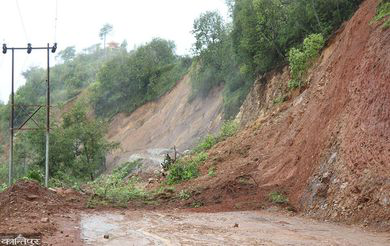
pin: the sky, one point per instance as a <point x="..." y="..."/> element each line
<point x="78" y="24"/>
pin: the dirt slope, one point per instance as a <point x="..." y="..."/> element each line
<point x="172" y="120"/>
<point x="327" y="149"/>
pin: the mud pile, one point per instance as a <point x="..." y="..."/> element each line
<point x="27" y="207"/>
<point x="328" y="148"/>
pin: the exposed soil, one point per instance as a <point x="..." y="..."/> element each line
<point x="328" y="148"/>
<point x="173" y="120"/>
<point x="28" y="208"/>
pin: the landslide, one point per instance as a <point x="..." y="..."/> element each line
<point x="328" y="148"/>
<point x="173" y="120"/>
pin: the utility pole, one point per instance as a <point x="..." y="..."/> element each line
<point x="29" y="49"/>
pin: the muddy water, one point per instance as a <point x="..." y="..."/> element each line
<point x="253" y="228"/>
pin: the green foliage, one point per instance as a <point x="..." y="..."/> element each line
<point x="206" y="143"/>
<point x="184" y="195"/>
<point x="128" y="80"/>
<point x="228" y="129"/>
<point x="383" y="12"/>
<point x="300" y="60"/>
<point x="280" y="99"/>
<point x="3" y="187"/>
<point x="197" y="204"/>
<point x="114" y="189"/>
<point x="264" y="30"/>
<point x="278" y="198"/>
<point x="3" y="173"/>
<point x="257" y="41"/>
<point x="212" y="172"/>
<point x="35" y="173"/>
<point x="215" y="63"/>
<point x="186" y="168"/>
<point x="77" y="152"/>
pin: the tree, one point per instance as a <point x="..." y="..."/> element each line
<point x="104" y="31"/>
<point x="78" y="147"/>
<point x="67" y="54"/>
<point x="208" y="30"/>
<point x="131" y="79"/>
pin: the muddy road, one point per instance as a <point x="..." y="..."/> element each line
<point x="227" y="228"/>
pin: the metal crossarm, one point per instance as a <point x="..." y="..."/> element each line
<point x="29" y="49"/>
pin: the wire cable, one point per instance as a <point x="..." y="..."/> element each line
<point x="55" y="23"/>
<point x="21" y="20"/>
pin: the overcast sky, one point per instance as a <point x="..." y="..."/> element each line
<point x="79" y="22"/>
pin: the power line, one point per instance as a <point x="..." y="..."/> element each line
<point x="55" y="23"/>
<point x="21" y="20"/>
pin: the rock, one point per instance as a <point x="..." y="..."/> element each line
<point x="32" y="197"/>
<point x="45" y="220"/>
<point x="106" y="236"/>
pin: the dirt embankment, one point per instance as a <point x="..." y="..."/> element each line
<point x="28" y="208"/>
<point x="328" y="148"/>
<point x="173" y="120"/>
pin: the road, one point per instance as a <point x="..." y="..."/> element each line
<point x="227" y="228"/>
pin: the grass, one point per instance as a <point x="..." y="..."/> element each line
<point x="3" y="187"/>
<point x="197" y="204"/>
<point x="279" y="99"/>
<point x="278" y="198"/>
<point x="113" y="189"/>
<point x="184" y="195"/>
<point x="228" y="129"/>
<point x="186" y="168"/>
<point x="212" y="172"/>
<point x="383" y="12"/>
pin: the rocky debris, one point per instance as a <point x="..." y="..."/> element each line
<point x="45" y="220"/>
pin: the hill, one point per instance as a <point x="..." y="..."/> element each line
<point x="172" y="121"/>
<point x="326" y="149"/>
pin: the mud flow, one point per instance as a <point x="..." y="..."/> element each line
<point x="228" y="228"/>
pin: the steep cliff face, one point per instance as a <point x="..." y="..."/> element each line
<point x="156" y="127"/>
<point x="328" y="146"/>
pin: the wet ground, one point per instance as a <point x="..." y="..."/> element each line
<point x="228" y="228"/>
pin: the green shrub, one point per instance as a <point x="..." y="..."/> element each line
<point x="185" y="169"/>
<point x="205" y="144"/>
<point x="3" y="187"/>
<point x="184" y="195"/>
<point x="212" y="171"/>
<point x="228" y="129"/>
<point x="35" y="173"/>
<point x="300" y="59"/>
<point x="383" y="12"/>
<point x="280" y="99"/>
<point x="278" y="198"/>
<point x="113" y="189"/>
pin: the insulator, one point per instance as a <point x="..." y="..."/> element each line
<point x="54" y="48"/>
<point x="4" y="48"/>
<point x="29" y="48"/>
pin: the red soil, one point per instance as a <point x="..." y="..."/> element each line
<point x="328" y="149"/>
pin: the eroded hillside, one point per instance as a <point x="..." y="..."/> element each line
<point x="327" y="148"/>
<point x="156" y="127"/>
